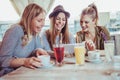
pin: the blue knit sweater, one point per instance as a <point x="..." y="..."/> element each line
<point x="11" y="46"/>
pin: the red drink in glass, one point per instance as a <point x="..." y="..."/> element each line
<point x="59" y="54"/>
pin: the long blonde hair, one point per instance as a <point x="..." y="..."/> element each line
<point x="31" y="11"/>
<point x="92" y="11"/>
<point x="53" y="32"/>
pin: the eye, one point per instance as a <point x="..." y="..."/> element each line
<point x="57" y="18"/>
<point x="40" y="20"/>
<point x="64" y="19"/>
<point x="81" y="22"/>
<point x="86" y="22"/>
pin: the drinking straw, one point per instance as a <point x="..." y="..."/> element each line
<point x="77" y="40"/>
<point x="60" y="39"/>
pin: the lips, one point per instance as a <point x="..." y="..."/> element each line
<point x="84" y="28"/>
<point x="59" y="25"/>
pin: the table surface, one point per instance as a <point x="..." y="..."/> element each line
<point x="69" y="71"/>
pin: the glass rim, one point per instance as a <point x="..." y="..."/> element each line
<point x="107" y="41"/>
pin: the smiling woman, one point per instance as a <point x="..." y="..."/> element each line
<point x="93" y="35"/>
<point x="21" y="42"/>
<point x="58" y="26"/>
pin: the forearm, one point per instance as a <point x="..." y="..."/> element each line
<point x="17" y="62"/>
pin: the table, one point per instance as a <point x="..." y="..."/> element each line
<point x="88" y="71"/>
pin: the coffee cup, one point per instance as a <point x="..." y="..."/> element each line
<point x="93" y="55"/>
<point x="45" y="60"/>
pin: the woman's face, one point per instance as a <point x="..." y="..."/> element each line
<point x="60" y="21"/>
<point x="38" y="22"/>
<point x="87" y="23"/>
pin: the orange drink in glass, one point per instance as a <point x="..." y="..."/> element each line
<point x="79" y="54"/>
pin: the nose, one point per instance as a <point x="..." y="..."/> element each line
<point x="83" y="24"/>
<point x="60" y="21"/>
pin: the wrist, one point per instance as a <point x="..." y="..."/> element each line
<point x="17" y="62"/>
<point x="24" y="61"/>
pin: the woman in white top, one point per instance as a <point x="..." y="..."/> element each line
<point x="59" y="26"/>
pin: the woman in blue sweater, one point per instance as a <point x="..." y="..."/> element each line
<point x="21" y="43"/>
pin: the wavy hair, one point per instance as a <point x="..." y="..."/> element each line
<point x="31" y="11"/>
<point x="53" y="32"/>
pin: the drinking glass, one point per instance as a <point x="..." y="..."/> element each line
<point x="109" y="50"/>
<point x="59" y="54"/>
<point x="79" y="54"/>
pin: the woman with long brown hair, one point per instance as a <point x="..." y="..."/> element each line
<point x="59" y="26"/>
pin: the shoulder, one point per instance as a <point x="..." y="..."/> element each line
<point x="102" y="28"/>
<point x="103" y="31"/>
<point x="79" y="33"/>
<point x="15" y="28"/>
<point x="47" y="32"/>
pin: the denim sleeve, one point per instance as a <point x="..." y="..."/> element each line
<point x="8" y="45"/>
<point x="45" y="44"/>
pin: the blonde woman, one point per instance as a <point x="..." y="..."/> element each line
<point x="21" y="43"/>
<point x="91" y="33"/>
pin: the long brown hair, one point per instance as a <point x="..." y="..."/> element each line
<point x="53" y="33"/>
<point x="31" y="11"/>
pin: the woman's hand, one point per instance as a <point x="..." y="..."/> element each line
<point x="40" y="51"/>
<point x="90" y="45"/>
<point x="32" y="62"/>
